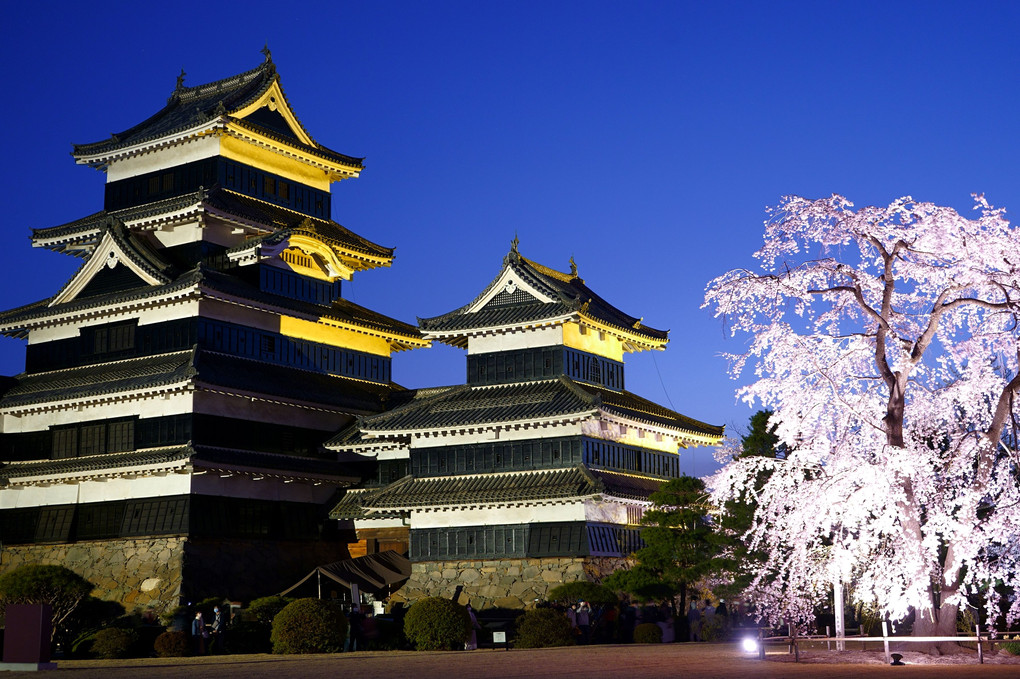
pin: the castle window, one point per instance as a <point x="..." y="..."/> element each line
<point x="93" y="440"/>
<point x="153" y="185"/>
<point x="65" y="442"/>
<point x="283" y="190"/>
<point x="121" y="436"/>
<point x="268" y="186"/>
<point x="168" y="181"/>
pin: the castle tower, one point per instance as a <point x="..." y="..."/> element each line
<point x="538" y="469"/>
<point x="165" y="438"/>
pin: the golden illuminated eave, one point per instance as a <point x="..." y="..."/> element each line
<point x="632" y="341"/>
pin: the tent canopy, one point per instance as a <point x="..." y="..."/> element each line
<point x="379" y="573"/>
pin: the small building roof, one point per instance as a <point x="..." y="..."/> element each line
<point x="528" y="293"/>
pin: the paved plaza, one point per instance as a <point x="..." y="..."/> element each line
<point x="715" y="661"/>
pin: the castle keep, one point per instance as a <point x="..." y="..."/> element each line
<point x="202" y="412"/>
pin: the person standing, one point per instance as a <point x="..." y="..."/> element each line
<point x="584" y="621"/>
<point x="694" y="621"/>
<point x="216" y="645"/>
<point x="198" y="633"/>
<point x="472" y="642"/>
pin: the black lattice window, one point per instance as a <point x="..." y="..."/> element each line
<point x="65" y="442"/>
<point x="120" y="436"/>
<point x="92" y="439"/>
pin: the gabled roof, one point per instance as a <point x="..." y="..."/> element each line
<point x="526" y="293"/>
<point x="193" y="108"/>
<point x="521" y="402"/>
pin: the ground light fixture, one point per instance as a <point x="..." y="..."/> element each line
<point x="749" y="644"/>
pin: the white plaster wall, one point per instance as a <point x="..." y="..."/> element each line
<point x="94" y="491"/>
<point x="164" y="312"/>
<point x="498" y="515"/>
<point x="525" y="339"/>
<point x="175" y="403"/>
<point x="501" y="434"/>
<point x="605" y="512"/>
<point x="194" y="149"/>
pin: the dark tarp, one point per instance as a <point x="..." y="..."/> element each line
<point x="380" y="573"/>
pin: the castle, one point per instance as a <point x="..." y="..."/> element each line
<point x="202" y="412"/>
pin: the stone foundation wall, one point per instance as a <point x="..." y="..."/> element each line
<point x="140" y="574"/>
<point x="163" y="573"/>
<point x="507" y="583"/>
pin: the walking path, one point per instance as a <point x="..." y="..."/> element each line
<point x="698" y="661"/>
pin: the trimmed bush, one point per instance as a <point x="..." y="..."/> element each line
<point x="61" y="588"/>
<point x="1011" y="647"/>
<point x="713" y="629"/>
<point x="309" y="626"/>
<point x="264" y="610"/>
<point x="648" y="633"/>
<point x="436" y="624"/>
<point x="113" y="642"/>
<point x="543" y="627"/>
<point x="172" y="645"/>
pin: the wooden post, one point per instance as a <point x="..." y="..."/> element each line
<point x="761" y="644"/>
<point x="793" y="642"/>
<point x="885" y="640"/>
<point x="981" y="654"/>
<point x="828" y="636"/>
<point x="837" y="605"/>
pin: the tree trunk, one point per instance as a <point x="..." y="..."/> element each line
<point x="943" y="625"/>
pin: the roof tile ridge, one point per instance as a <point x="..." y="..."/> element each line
<point x="230" y="83"/>
<point x="592" y="398"/>
<point x="415" y="403"/>
<point x="595" y="481"/>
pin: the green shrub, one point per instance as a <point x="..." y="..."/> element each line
<point x="648" y="633"/>
<point x="172" y="645"/>
<point x="113" y="642"/>
<point x="435" y="624"/>
<point x="264" y="610"/>
<point x="1013" y="646"/>
<point x="57" y="586"/>
<point x="713" y="629"/>
<point x="542" y="627"/>
<point x="309" y="626"/>
<point x="574" y="592"/>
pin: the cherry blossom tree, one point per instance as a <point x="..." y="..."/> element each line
<point x="885" y="340"/>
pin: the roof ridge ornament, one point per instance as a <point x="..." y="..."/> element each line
<point x="180" y="80"/>
<point x="268" y="55"/>
<point x="573" y="267"/>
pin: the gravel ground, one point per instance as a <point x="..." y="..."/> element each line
<point x="722" y="661"/>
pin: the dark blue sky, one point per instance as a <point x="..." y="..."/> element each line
<point x="643" y="139"/>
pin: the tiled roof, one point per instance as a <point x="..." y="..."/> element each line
<point x="199" y="456"/>
<point x="465" y="405"/>
<point x="190" y="107"/>
<point x="211" y="280"/>
<point x="88" y="229"/>
<point x="524" y="401"/>
<point x="98" y="380"/>
<point x="568" y="292"/>
<point x="94" y="463"/>
<point x="208" y="368"/>
<point x="633" y="406"/>
<point x="339" y="310"/>
<point x="412" y="492"/>
<point x="276" y="217"/>
<point x="486" y="489"/>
